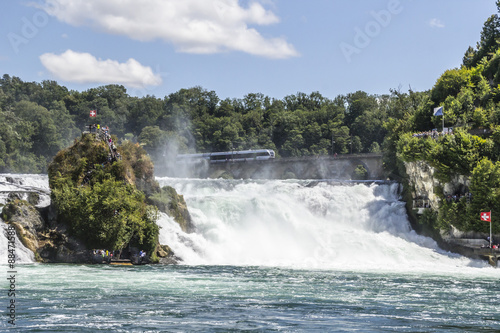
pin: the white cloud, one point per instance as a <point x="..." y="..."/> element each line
<point x="80" y="67"/>
<point x="194" y="26"/>
<point x="436" y="23"/>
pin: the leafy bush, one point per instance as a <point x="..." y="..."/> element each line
<point x="96" y="199"/>
<point x="360" y="173"/>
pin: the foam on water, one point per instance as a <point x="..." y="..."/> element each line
<point x="22" y="254"/>
<point x="20" y="183"/>
<point x="25" y="182"/>
<point x="303" y="225"/>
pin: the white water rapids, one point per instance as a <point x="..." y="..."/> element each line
<point x="19" y="183"/>
<point x="299" y="224"/>
<point x="302" y="224"/>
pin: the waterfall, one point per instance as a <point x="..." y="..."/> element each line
<point x="21" y="184"/>
<point x="293" y="223"/>
<point x="307" y="224"/>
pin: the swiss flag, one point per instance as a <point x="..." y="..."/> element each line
<point x="93" y="113"/>
<point x="486" y="216"/>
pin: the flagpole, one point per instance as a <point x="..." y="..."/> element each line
<point x="440" y="110"/>
<point x="443" y="120"/>
<point x="491" y="236"/>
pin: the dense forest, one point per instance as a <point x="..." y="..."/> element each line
<point x="39" y="119"/>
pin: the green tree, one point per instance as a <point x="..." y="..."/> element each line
<point x="488" y="41"/>
<point x="374" y="148"/>
<point x="485" y="189"/>
<point x="152" y="138"/>
<point x="358" y="103"/>
<point x="356" y="145"/>
<point x="450" y="83"/>
<point x="47" y="138"/>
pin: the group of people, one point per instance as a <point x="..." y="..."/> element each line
<point x="103" y="255"/>
<point x="93" y="128"/>
<point x="114" y="155"/>
<point x="457" y="197"/>
<point x="106" y="253"/>
<point x="433" y="134"/>
<point x="493" y="245"/>
<point x="103" y="134"/>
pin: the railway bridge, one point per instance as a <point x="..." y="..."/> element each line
<point x="321" y="167"/>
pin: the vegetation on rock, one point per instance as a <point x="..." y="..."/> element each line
<point x="168" y="201"/>
<point x="98" y="199"/>
<point x="470" y="96"/>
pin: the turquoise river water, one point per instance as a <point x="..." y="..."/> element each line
<point x="71" y="298"/>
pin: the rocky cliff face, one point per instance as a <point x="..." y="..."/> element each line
<point x="422" y="182"/>
<point x="424" y="185"/>
<point x="173" y="204"/>
<point x="48" y="244"/>
<point x="27" y="221"/>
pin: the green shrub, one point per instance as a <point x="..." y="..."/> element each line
<point x="96" y="199"/>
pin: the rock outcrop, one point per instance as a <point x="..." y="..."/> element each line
<point x="173" y="204"/>
<point x="48" y="245"/>
<point x="423" y="184"/>
<point x="166" y="255"/>
<point x="27" y="221"/>
<point x="23" y="213"/>
<point x="56" y="246"/>
<point x="100" y="199"/>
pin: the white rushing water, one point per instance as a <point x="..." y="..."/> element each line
<point x="299" y="224"/>
<point x="302" y="224"/>
<point x="23" y="255"/>
<point x="20" y="183"/>
<point x="348" y="261"/>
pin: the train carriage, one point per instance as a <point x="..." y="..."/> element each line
<point x="228" y="156"/>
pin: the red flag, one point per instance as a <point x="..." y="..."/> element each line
<point x="486" y="216"/>
<point x="93" y="113"/>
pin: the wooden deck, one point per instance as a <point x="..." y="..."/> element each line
<point x="121" y="262"/>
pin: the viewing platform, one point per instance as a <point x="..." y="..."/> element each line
<point x="120" y="262"/>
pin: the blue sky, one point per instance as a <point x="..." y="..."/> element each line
<point x="274" y="47"/>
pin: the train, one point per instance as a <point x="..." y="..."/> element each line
<point x="228" y="156"/>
